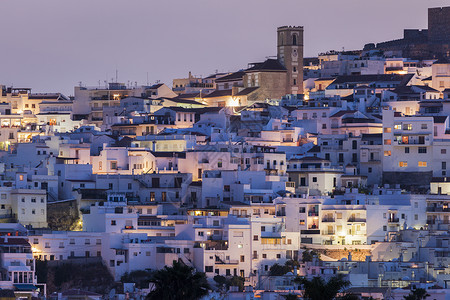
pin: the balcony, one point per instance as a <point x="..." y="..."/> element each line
<point x="357" y="220"/>
<point x="288" y="140"/>
<point x="393" y="220"/>
<point x="328" y="219"/>
<point x="311" y="231"/>
<point x="313" y="214"/>
<point x="438" y="209"/>
<point x="220" y="261"/>
<point x="329" y="232"/>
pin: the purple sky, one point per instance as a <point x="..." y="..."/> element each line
<point x="51" y="45"/>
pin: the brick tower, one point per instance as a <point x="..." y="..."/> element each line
<point x="290" y="55"/>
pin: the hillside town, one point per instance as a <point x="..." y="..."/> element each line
<point x="288" y="169"/>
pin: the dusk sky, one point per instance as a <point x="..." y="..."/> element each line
<point x="51" y="45"/>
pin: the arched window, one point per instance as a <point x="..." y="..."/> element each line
<point x="294" y="40"/>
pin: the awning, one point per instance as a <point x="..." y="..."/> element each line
<point x="25" y="287"/>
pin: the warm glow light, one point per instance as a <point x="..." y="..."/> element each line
<point x="306" y="97"/>
<point x="233" y="102"/>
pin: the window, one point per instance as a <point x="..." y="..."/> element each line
<point x="130" y="186"/>
<point x="387" y="129"/>
<point x="302" y="222"/>
<point x="201" y="233"/>
<point x="36" y="241"/>
<point x="208" y="269"/>
<point x="407" y="127"/>
<point x="443" y="151"/>
<point x="416" y="217"/>
<point x="278" y="255"/>
<point x="369" y="170"/>
<point x="33" y="200"/>
<point x="87" y="241"/>
<point x="255" y="238"/>
<point x="384" y="228"/>
<point x="294" y="40"/>
<point x="113" y="165"/>
<point x="397" y="126"/>
<point x="23" y="199"/>
<point x="387" y="142"/>
<point x="324" y="126"/>
<point x="33" y="211"/>
<point x="314" y="179"/>
<point x="98" y="241"/>
<point x="219" y="163"/>
<point x="72" y="241"/>
<point x="422" y="164"/>
<point x="302" y="210"/>
<point x="406" y="149"/>
<point x="110" y="186"/>
<point x="424" y="126"/>
<point x="242" y="258"/>
<point x="387" y="153"/>
<point x="422" y="149"/>
<point x="113" y="222"/>
<point x="402" y="164"/>
<point x="263" y="228"/>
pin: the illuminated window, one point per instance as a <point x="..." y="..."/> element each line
<point x="387" y="129"/>
<point x="21" y="177"/>
<point x="402" y="164"/>
<point x="387" y="153"/>
<point x="422" y="164"/>
<point x="407" y="126"/>
<point x="397" y="126"/>
<point x="387" y="142"/>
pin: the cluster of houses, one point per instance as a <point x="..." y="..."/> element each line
<point x="344" y="154"/>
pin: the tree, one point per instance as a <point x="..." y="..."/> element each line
<point x="279" y="270"/>
<point x="308" y="255"/>
<point x="318" y="289"/>
<point x="178" y="282"/>
<point x="140" y="277"/>
<point x="417" y="294"/>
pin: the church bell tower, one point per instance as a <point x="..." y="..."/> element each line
<point x="290" y="55"/>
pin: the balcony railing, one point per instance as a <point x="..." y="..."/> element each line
<point x="393" y="220"/>
<point x="328" y="232"/>
<point x="328" y="220"/>
<point x="313" y="214"/>
<point x="357" y="220"/>
<point x="438" y="209"/>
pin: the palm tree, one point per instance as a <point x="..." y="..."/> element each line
<point x="318" y="289"/>
<point x="417" y="294"/>
<point x="178" y="282"/>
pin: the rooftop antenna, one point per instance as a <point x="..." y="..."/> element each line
<point x="147" y="79"/>
<point x="117" y="75"/>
